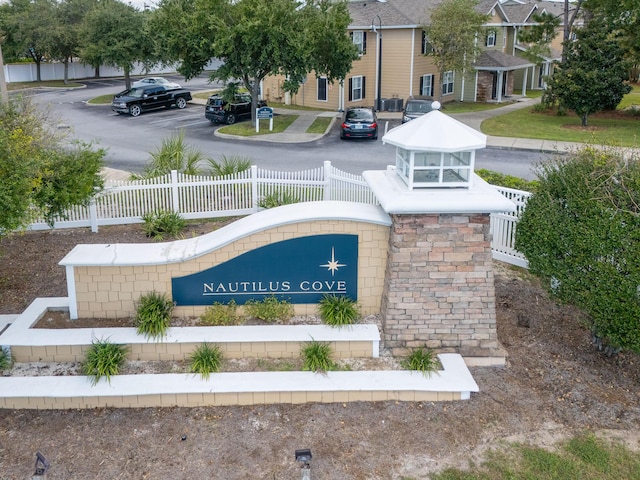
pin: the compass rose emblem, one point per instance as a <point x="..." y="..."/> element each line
<point x="333" y="265"/>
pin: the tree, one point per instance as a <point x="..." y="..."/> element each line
<point x="592" y="77"/>
<point x="580" y="231"/>
<point x="453" y="32"/>
<point x="538" y="36"/>
<point x="623" y="18"/>
<point x="29" y="25"/>
<point x="113" y="35"/>
<point x="40" y="174"/>
<point x="569" y="19"/>
<point x="256" y="38"/>
<point x="66" y="31"/>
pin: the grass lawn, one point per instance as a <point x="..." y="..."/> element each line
<point x="319" y="125"/>
<point x="583" y="457"/>
<point x="248" y="129"/>
<point x="525" y="123"/>
<point x="606" y="128"/>
<point x="52" y="83"/>
<point x="101" y="100"/>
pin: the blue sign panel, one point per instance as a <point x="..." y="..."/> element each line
<point x="265" y="112"/>
<point x="300" y="270"/>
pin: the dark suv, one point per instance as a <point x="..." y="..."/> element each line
<point x="218" y="111"/>
<point x="416" y="107"/>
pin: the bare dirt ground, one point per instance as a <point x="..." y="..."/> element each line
<point x="556" y="384"/>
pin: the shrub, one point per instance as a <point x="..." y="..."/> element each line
<point x="316" y="357"/>
<point x="153" y="315"/>
<point x="270" y="309"/>
<point x="5" y="359"/>
<point x="423" y="360"/>
<point x="220" y="314"/>
<point x="508" y="181"/>
<point x="159" y="224"/>
<point x="205" y="359"/>
<point x="103" y="359"/>
<point x="277" y="199"/>
<point x="338" y="310"/>
<point x="580" y="232"/>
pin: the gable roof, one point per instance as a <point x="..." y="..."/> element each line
<point x="414" y="13"/>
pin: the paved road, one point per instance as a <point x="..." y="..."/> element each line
<point x="129" y="140"/>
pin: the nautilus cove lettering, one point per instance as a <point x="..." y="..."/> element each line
<point x="305" y="286"/>
<point x="300" y="270"/>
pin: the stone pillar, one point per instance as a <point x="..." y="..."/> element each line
<point x="439" y="287"/>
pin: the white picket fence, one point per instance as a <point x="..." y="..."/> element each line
<point x="194" y="197"/>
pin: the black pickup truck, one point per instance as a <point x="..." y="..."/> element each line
<point x="137" y="99"/>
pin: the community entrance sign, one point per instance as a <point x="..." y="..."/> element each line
<point x="300" y="270"/>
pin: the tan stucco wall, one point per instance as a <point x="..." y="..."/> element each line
<point x="111" y="291"/>
<point x="224" y="399"/>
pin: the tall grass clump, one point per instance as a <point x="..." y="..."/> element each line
<point x="5" y="359"/>
<point x="316" y="357"/>
<point x="157" y="225"/>
<point x="228" y="165"/>
<point x="221" y="314"/>
<point x="338" y="310"/>
<point x="270" y="309"/>
<point x="104" y="359"/>
<point x="423" y="360"/>
<point x="153" y="315"/>
<point x="278" y="198"/>
<point x="173" y="154"/>
<point x="205" y="360"/>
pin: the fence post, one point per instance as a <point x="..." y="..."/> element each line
<point x="175" y="202"/>
<point x="93" y="215"/>
<point x="254" y="187"/>
<point x="327" y="180"/>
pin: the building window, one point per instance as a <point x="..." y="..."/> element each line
<point x="359" y="39"/>
<point x="491" y="39"/>
<point x="322" y="89"/>
<point x="356" y="88"/>
<point x="426" y="85"/>
<point x="427" y="48"/>
<point x="447" y="83"/>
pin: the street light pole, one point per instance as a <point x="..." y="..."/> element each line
<point x="379" y="79"/>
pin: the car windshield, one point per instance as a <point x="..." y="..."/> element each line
<point x="360" y="115"/>
<point x="418" y="107"/>
<point x="133" y="92"/>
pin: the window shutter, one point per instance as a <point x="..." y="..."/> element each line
<point x="364" y="89"/>
<point x="421" y="84"/>
<point x="424" y="46"/>
<point x="486" y="40"/>
<point x="364" y="43"/>
<point x="350" y="89"/>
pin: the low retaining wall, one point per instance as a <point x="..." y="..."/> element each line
<point x="454" y="382"/>
<point x="270" y="341"/>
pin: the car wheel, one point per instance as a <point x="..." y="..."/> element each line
<point x="181" y="103"/>
<point x="375" y="137"/>
<point x="135" y="110"/>
<point x="231" y="119"/>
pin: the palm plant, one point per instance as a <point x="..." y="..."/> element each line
<point x="174" y="154"/>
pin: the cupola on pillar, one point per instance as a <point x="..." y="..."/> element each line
<point x="439" y="285"/>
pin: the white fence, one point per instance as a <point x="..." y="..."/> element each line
<point x="194" y="197"/>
